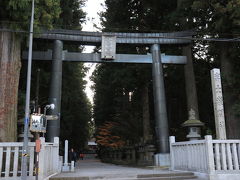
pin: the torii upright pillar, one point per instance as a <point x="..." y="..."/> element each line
<point x="53" y="126"/>
<point x="160" y="108"/>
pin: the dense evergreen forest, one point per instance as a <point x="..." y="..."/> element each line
<point x="75" y="108"/>
<point x="123" y="102"/>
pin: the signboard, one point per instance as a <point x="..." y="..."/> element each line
<point x="108" y="47"/>
<point x="38" y="123"/>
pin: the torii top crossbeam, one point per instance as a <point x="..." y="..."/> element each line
<point x="95" y="38"/>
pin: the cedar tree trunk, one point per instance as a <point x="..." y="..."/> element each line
<point x="229" y="95"/>
<point x="10" y="65"/>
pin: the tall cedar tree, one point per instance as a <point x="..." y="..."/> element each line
<point x="15" y="14"/>
<point x="219" y="19"/>
<point x="121" y="94"/>
<point x="207" y="18"/>
<point x="75" y="108"/>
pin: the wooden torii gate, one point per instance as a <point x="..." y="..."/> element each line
<point x="58" y="55"/>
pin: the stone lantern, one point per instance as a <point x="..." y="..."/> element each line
<point x="194" y="126"/>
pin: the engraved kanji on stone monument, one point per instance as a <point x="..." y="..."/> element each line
<point x="218" y="104"/>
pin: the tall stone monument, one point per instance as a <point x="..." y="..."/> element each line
<point x="218" y="104"/>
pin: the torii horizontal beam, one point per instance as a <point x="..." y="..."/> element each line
<point x="95" y="38"/>
<point x="96" y="57"/>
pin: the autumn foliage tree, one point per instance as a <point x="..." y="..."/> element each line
<point x="107" y="137"/>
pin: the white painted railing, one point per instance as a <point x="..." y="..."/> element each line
<point x="11" y="157"/>
<point x="49" y="158"/>
<point x="188" y="155"/>
<point x="226" y="155"/>
<point x="206" y="156"/>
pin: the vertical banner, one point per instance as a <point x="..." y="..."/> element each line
<point x="218" y="104"/>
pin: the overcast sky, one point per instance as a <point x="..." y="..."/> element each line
<point x="93" y="7"/>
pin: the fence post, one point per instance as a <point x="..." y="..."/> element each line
<point x="171" y="141"/>
<point x="56" y="154"/>
<point x="72" y="166"/>
<point x="65" y="167"/>
<point x="42" y="159"/>
<point x="210" y="157"/>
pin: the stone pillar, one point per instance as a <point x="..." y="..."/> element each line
<point x="66" y="153"/>
<point x="53" y="126"/>
<point x="56" y="155"/>
<point x="65" y="167"/>
<point x="218" y="104"/>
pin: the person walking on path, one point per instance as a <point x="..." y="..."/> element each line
<point x="81" y="156"/>
<point x="72" y="156"/>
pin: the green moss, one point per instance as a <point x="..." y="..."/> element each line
<point x="193" y="122"/>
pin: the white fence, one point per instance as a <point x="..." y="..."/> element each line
<point x="11" y="157"/>
<point x="217" y="158"/>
